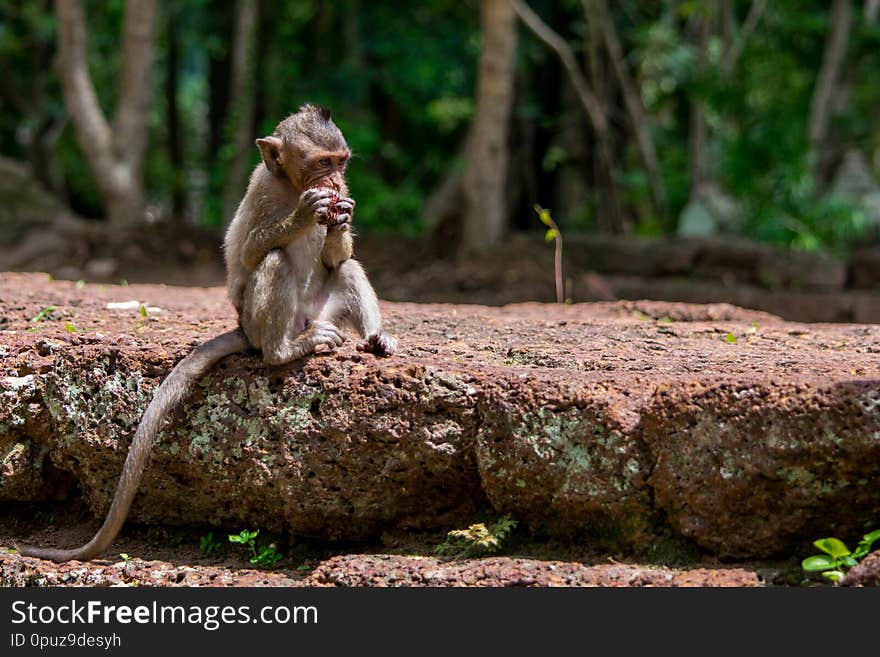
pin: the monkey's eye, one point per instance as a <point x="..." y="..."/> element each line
<point x="343" y="161"/>
<point x="324" y="162"/>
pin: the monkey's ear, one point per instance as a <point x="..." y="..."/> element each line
<point x="270" y="149"/>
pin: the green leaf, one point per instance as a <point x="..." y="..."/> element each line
<point x="543" y="215"/>
<point x="40" y="316"/>
<point x="550" y="235"/>
<point x="80" y="284"/>
<point x="833" y="546"/>
<point x="833" y="575"/>
<point x="70" y="328"/>
<point x="817" y="563"/>
<point x="730" y="338"/>
<point x="865" y="544"/>
<point x="665" y="320"/>
<point x="143" y="310"/>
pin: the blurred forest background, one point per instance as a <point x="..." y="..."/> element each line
<point x="744" y="120"/>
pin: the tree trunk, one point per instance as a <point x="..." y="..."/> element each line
<point x="633" y="102"/>
<point x="485" y="213"/>
<point x="614" y="221"/>
<point x="241" y="116"/>
<point x="114" y="154"/>
<point x="175" y="135"/>
<point x="606" y="206"/>
<point x="698" y="130"/>
<point x="826" y="83"/>
<point x="734" y="46"/>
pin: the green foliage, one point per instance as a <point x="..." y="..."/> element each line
<point x="245" y="537"/>
<point x="477" y="540"/>
<point x="545" y="217"/>
<point x="795" y="217"/>
<point x="43" y="314"/>
<point x="208" y="544"/>
<point x="265" y="555"/>
<point x="837" y="557"/>
<point x="406" y="116"/>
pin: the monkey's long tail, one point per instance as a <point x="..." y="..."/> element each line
<point x="170" y="393"/>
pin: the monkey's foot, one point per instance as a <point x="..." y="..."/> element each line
<point x="380" y="344"/>
<point x="324" y="334"/>
<point x="318" y="336"/>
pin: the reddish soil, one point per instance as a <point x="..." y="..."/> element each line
<point x="176" y="560"/>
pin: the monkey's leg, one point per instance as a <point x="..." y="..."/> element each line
<point x="352" y="299"/>
<point x="270" y="313"/>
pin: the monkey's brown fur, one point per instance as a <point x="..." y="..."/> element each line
<point x="290" y="276"/>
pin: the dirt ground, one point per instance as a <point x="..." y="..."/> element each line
<point x="171" y="556"/>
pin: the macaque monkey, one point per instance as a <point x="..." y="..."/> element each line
<point x="290" y="276"/>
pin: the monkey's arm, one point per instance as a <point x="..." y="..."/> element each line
<point x="311" y="208"/>
<point x="338" y="246"/>
<point x="275" y="235"/>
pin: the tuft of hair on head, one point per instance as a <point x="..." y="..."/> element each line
<point x="320" y="110"/>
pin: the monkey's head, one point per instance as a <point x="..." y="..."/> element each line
<point x="308" y="150"/>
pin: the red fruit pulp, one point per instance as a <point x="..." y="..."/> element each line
<point x="332" y="210"/>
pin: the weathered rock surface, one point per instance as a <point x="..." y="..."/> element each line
<point x="624" y="421"/>
<point x="369" y="570"/>
<point x="867" y="573"/>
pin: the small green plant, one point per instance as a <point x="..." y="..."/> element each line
<point x="476" y="540"/>
<point x="40" y="316"/>
<point x="553" y="234"/>
<point x="267" y="555"/>
<point x="838" y="558"/>
<point x="208" y="544"/>
<point x="80" y="284"/>
<point x="70" y="328"/>
<point x="143" y="310"/>
<point x="125" y="556"/>
<point x="730" y="338"/>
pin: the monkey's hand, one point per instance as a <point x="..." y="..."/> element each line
<point x="339" y="214"/>
<point x="314" y="205"/>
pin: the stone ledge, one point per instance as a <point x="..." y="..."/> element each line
<point x="625" y="421"/>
